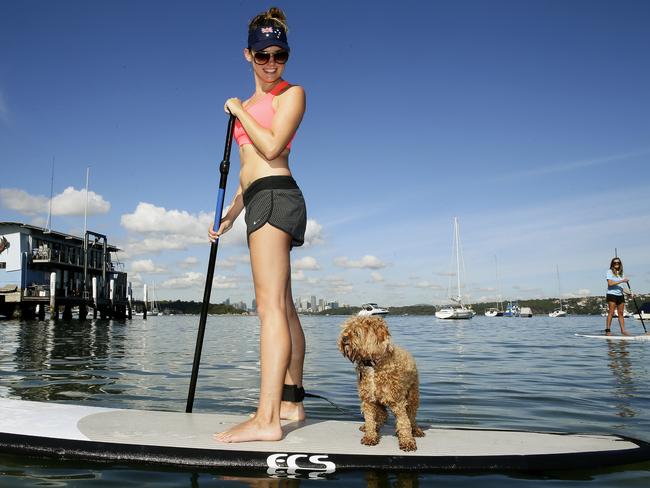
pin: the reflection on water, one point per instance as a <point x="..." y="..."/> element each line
<point x="62" y="360"/>
<point x="531" y="374"/>
<point x="621" y="365"/>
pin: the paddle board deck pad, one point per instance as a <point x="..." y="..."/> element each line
<point x="312" y="448"/>
<point x="616" y="337"/>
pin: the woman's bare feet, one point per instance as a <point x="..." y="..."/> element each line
<point x="292" y="411"/>
<point x="251" y="430"/>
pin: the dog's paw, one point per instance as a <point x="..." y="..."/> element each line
<point x="408" y="445"/>
<point x="370" y="440"/>
<point x="418" y="432"/>
<point x="362" y="428"/>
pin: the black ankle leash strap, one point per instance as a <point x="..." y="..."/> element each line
<point x="294" y="393"/>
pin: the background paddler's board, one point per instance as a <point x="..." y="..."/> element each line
<point x="616" y="337"/>
<point x="65" y="431"/>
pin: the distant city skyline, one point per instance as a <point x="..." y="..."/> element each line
<point x="526" y="120"/>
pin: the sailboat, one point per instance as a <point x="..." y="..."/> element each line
<point x="497" y="311"/>
<point x="154" y="306"/>
<point x="558" y="312"/>
<point x="457" y="311"/>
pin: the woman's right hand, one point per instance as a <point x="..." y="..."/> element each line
<point x="225" y="226"/>
<point x="233" y="106"/>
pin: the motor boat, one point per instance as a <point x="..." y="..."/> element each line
<point x="368" y="309"/>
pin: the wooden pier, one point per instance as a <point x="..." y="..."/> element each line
<point x="44" y="272"/>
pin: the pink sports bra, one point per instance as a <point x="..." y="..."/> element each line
<point x="262" y="111"/>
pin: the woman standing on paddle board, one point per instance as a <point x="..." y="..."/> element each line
<point x="275" y="222"/>
<point x="615" y="295"/>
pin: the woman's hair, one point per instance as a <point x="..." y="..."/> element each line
<point x="273" y="16"/>
<point x="619" y="271"/>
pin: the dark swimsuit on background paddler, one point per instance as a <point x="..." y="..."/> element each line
<point x="273" y="199"/>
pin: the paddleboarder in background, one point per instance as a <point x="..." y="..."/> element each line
<point x="615" y="295"/>
<point x="275" y="222"/>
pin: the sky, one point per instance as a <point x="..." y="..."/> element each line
<point x="528" y="120"/>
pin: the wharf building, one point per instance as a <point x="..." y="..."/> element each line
<point x="41" y="268"/>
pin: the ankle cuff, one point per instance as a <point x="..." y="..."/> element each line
<point x="293" y="393"/>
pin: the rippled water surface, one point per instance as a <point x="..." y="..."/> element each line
<point x="526" y="374"/>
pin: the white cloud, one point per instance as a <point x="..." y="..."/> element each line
<point x="147" y="218"/>
<point x="297" y="275"/>
<point x="146" y="266"/>
<point x="308" y="262"/>
<point x="313" y="233"/>
<point x="428" y="285"/>
<point x="193" y="279"/>
<point x="70" y="202"/>
<point x="376" y="277"/>
<point x="366" y="262"/>
<point x="174" y="229"/>
<point x="73" y="202"/>
<point x="189" y="262"/>
<point x="22" y="202"/>
<point x="338" y="285"/>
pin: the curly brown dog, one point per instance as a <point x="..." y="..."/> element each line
<point x="386" y="377"/>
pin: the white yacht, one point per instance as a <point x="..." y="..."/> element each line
<point x="459" y="310"/>
<point x="526" y="312"/>
<point x="493" y="312"/>
<point x="371" y="309"/>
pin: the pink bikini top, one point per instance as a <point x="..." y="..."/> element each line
<point x="262" y="111"/>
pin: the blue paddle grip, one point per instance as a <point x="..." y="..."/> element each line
<point x="217" y="213"/>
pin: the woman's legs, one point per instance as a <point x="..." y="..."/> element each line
<point x="611" y="306"/>
<point x="621" y="317"/>
<point x="291" y="410"/>
<point x="269" y="251"/>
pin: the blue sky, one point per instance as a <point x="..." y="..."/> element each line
<point x="528" y="120"/>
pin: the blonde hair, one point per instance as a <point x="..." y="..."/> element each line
<point x="273" y="16"/>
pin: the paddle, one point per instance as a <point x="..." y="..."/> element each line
<point x="638" y="310"/>
<point x="223" y="168"/>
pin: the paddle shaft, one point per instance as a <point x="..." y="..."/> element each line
<point x="223" y="168"/>
<point x="638" y="310"/>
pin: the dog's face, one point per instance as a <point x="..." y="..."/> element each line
<point x="364" y="339"/>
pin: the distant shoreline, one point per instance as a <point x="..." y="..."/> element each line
<point x="593" y="305"/>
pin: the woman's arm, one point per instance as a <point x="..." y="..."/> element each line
<point x="616" y="282"/>
<point x="233" y="212"/>
<point x="271" y="142"/>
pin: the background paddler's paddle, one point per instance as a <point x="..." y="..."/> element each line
<point x="223" y="168"/>
<point x="638" y="310"/>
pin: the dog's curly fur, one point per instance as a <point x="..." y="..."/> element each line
<point x="387" y="377"/>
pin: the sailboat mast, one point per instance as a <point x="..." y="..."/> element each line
<point x="559" y="289"/>
<point x="457" y="238"/>
<point x="49" y="213"/>
<point x="86" y="207"/>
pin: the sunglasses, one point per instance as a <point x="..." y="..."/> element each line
<point x="263" y="57"/>
<point x="616" y="262"/>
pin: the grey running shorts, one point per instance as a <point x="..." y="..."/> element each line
<point x="278" y="201"/>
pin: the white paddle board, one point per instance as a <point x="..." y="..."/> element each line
<point x="312" y="448"/>
<point x="616" y="337"/>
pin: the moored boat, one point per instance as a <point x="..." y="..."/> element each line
<point x="368" y="309"/>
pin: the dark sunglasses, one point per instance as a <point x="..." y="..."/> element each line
<point x="263" y="57"/>
<point x="616" y="262"/>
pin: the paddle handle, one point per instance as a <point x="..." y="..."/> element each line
<point x="223" y="169"/>
<point x="638" y="310"/>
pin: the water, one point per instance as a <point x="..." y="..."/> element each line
<point x="529" y="374"/>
